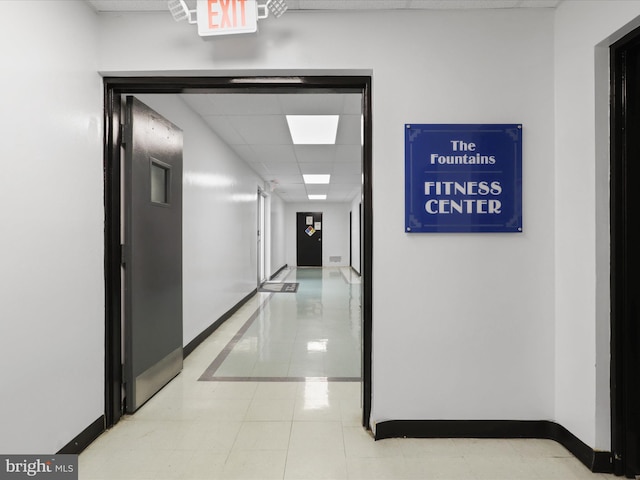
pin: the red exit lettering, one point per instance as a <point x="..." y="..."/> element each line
<point x="226" y="13"/>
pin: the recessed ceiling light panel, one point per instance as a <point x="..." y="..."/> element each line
<point x="317" y="197"/>
<point x="316" y="179"/>
<point x="313" y="129"/>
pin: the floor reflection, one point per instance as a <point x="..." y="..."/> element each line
<point x="312" y="333"/>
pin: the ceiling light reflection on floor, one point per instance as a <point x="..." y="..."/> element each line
<point x="317" y="345"/>
<point x="316" y="394"/>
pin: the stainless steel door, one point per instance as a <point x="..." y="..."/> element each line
<point x="152" y="252"/>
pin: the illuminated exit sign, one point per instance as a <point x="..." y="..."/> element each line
<point x="226" y="17"/>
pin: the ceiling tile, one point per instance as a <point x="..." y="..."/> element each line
<point x="347" y="168"/>
<point x="261" y="129"/>
<point x="348" y="153"/>
<point x="317" y="189"/>
<point x="352" y="104"/>
<point x="282" y="168"/>
<point x="291" y="189"/>
<point x="253" y="125"/>
<point x="262" y="170"/>
<point x="246" y="153"/>
<point x="233" y="103"/>
<point x="316" y="168"/>
<point x="275" y="153"/>
<point x="344" y="179"/>
<point x="225" y="130"/>
<point x="349" y="130"/>
<point x="312" y="104"/>
<point x="315" y="153"/>
<point x="284" y="179"/>
<point x="345" y="189"/>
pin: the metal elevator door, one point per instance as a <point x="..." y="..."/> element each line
<point x="152" y="253"/>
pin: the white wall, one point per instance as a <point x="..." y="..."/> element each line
<point x="463" y="324"/>
<point x="470" y="331"/>
<point x="473" y="313"/>
<point x="583" y="32"/>
<point x="335" y="231"/>
<point x="219" y="219"/>
<point x="51" y="247"/>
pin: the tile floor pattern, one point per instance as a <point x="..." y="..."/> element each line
<point x="315" y="332"/>
<point x="197" y="430"/>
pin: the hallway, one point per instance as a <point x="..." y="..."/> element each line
<point x="314" y="332"/>
<point x="263" y="408"/>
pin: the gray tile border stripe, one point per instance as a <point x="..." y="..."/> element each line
<point x="279" y="287"/>
<point x="222" y="356"/>
<point x="283" y="379"/>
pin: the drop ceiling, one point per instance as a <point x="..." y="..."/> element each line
<point x="255" y="127"/>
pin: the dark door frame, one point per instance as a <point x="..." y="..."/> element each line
<point x="624" y="196"/>
<point x="262" y="247"/>
<point x="350" y="239"/>
<point x="114" y="88"/>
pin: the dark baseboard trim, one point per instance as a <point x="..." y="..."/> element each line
<point x="597" y="462"/>
<point x="84" y="439"/>
<point x="357" y="272"/>
<point x="193" y="344"/>
<point x="278" y="272"/>
<point x="602" y="462"/>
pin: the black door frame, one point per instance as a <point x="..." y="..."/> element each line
<point x="625" y="332"/>
<point x="114" y="88"/>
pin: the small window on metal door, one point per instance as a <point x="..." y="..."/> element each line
<point x="160" y="176"/>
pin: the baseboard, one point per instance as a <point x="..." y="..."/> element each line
<point x="356" y="271"/>
<point x="596" y="461"/>
<point x="84" y="439"/>
<point x="602" y="462"/>
<point x="278" y="272"/>
<point x="193" y="344"/>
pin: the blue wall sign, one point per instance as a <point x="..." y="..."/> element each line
<point x="463" y="178"/>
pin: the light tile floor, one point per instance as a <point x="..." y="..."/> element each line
<point x="298" y="430"/>
<point x="315" y="332"/>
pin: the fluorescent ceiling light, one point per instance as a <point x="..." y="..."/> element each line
<point x="317" y="197"/>
<point x="313" y="129"/>
<point x="316" y="179"/>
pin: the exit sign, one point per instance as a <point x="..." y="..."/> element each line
<point x="226" y="17"/>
